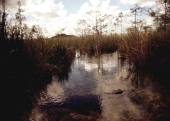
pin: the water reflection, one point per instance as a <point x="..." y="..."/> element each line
<point x="152" y="94"/>
<point x="102" y="89"/>
<point x="19" y="94"/>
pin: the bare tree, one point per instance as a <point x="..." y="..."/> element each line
<point x="162" y="20"/>
<point x="136" y="11"/>
<point x="95" y="25"/>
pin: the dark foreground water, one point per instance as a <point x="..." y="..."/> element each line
<point x="102" y="89"/>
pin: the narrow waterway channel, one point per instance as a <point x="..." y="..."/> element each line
<point x="102" y="89"/>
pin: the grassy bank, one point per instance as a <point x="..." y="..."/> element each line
<point x="146" y="50"/>
<point x="88" y="44"/>
<point x="27" y="63"/>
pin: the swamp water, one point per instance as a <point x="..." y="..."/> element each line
<point x="102" y="89"/>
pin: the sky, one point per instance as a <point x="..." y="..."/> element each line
<point x="54" y="15"/>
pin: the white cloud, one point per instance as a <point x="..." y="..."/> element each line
<point x="148" y="3"/>
<point x="142" y="2"/>
<point x="36" y="1"/>
<point x="52" y="16"/>
<point x="148" y="20"/>
<point x="94" y="2"/>
<point x="70" y="22"/>
<point x="46" y="14"/>
<point x="84" y="8"/>
<point x="47" y="9"/>
<point x="105" y="4"/>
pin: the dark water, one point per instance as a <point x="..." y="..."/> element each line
<point x="103" y="89"/>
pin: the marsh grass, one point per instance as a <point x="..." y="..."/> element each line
<point x="27" y="46"/>
<point x="109" y="43"/>
<point x="27" y="65"/>
<point x="89" y="44"/>
<point x="146" y="50"/>
<point x="22" y="45"/>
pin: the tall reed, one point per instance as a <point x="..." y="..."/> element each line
<point x="146" y="49"/>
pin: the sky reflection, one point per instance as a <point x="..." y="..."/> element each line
<point x="89" y="93"/>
